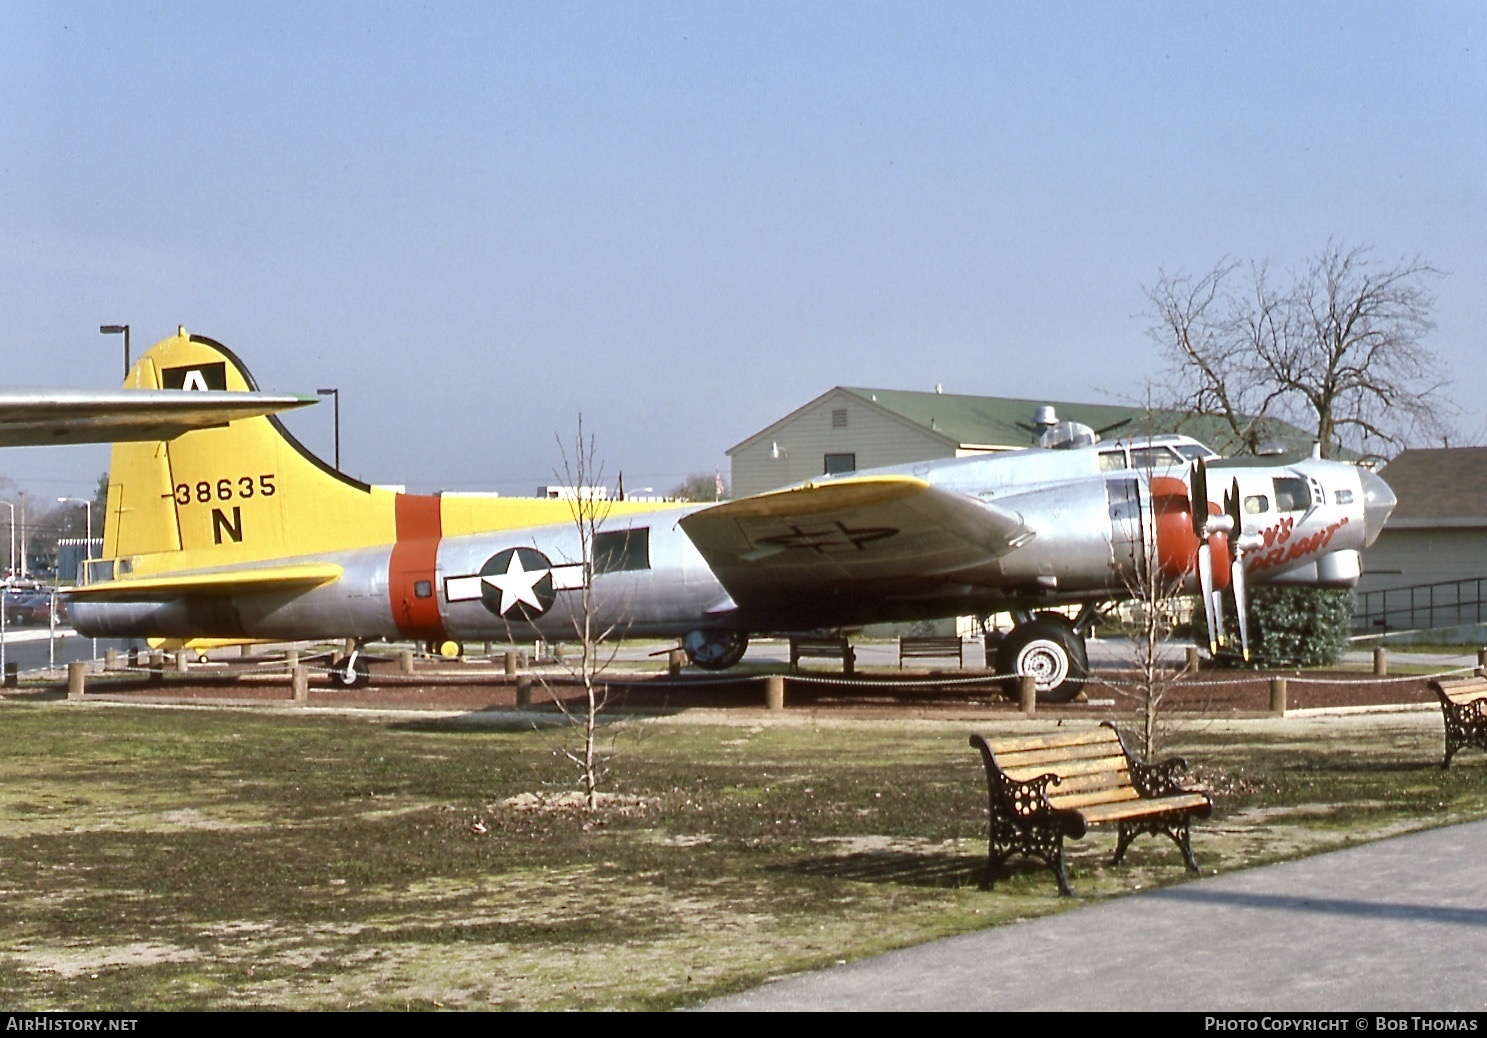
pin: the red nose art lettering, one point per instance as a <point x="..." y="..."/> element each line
<point x="1283" y="552"/>
<point x="1280" y="533"/>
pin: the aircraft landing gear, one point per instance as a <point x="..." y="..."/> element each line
<point x="713" y="648"/>
<point x="353" y="671"/>
<point x="1048" y="647"/>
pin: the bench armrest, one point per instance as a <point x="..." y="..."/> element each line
<point x="1024" y="799"/>
<point x="1159" y="779"/>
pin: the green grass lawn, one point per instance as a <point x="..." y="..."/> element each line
<point x="214" y="859"/>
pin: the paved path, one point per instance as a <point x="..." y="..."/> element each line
<point x="1374" y="927"/>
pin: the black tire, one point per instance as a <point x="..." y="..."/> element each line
<point x="352" y="674"/>
<point x="1046" y="647"/>
<point x="713" y="648"/>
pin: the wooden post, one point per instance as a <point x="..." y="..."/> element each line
<point x="110" y="659"/>
<point x="1027" y="694"/>
<point x="12" y="675"/>
<point x="774" y="692"/>
<point x="1278" y="696"/>
<point x="1482" y="657"/>
<point x="674" y="660"/>
<point x="1192" y="660"/>
<point x="183" y="661"/>
<point x="75" y="672"/>
<point x="405" y="661"/>
<point x="1380" y="662"/>
<point x="510" y="663"/>
<point x="523" y="691"/>
<point x="291" y="659"/>
<point x="157" y="665"/>
<point x="299" y="682"/>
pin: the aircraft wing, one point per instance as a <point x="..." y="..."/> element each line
<point x="39" y="417"/>
<point x="298" y="577"/>
<point x="857" y="531"/>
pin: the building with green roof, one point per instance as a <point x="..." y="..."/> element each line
<point x="848" y="428"/>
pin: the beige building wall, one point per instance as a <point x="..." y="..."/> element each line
<point x="1400" y="558"/>
<point x="795" y="448"/>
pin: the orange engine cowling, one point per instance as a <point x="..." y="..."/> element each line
<point x="1177" y="541"/>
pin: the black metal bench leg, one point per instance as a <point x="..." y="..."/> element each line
<point x="1057" y="865"/>
<point x="1127" y="834"/>
<point x="1181" y="835"/>
<point x="994" y="866"/>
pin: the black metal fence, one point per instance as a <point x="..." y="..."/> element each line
<point x="1449" y="603"/>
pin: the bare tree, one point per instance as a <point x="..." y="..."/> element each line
<point x="700" y="486"/>
<point x="1148" y="621"/>
<point x="1155" y="504"/>
<point x="1339" y="350"/>
<point x="582" y="470"/>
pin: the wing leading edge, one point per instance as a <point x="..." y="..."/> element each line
<point x="42" y="417"/>
<point x="866" y="532"/>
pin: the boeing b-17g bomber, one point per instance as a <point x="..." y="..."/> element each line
<point x="238" y="533"/>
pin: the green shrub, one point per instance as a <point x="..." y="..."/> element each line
<point x="1300" y="626"/>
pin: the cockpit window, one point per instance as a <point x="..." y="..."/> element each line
<point x="1255" y="504"/>
<point x="1194" y="451"/>
<point x="1112" y="461"/>
<point x="1154" y="458"/>
<point x="1292" y="495"/>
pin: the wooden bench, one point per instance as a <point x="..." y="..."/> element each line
<point x="834" y="648"/>
<point x="931" y="648"/>
<point x="1464" y="708"/>
<point x="1098" y="781"/>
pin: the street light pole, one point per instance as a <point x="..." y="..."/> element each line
<point x="88" y="544"/>
<point x="116" y="329"/>
<point x="10" y="559"/>
<point x="335" y="396"/>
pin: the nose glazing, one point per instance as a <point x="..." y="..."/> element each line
<point x="1378" y="503"/>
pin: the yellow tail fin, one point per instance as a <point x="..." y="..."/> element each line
<point x="246" y="492"/>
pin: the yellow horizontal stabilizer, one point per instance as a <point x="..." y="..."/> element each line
<point x="268" y="578"/>
<point x="202" y="644"/>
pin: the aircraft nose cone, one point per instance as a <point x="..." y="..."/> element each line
<point x="1378" y="502"/>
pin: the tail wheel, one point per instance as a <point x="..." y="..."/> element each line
<point x="353" y="672"/>
<point x="713" y="648"/>
<point x="1047" y="648"/>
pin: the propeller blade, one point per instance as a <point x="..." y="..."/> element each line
<point x="1236" y="578"/>
<point x="1205" y="586"/>
<point x="1200" y="498"/>
<point x="1236" y="573"/>
<point x="1231" y="509"/>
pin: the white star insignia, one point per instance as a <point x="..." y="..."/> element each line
<point x="516" y="584"/>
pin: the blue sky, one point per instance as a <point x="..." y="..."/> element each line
<point x="685" y="220"/>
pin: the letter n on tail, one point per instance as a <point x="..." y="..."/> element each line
<point x="233" y="527"/>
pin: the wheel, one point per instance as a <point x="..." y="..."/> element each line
<point x="713" y="648"/>
<point x="451" y="649"/>
<point x="1047" y="648"/>
<point x="352" y="672"/>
